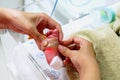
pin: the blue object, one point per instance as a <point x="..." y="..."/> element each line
<point x="54" y="7"/>
<point x="107" y="15"/>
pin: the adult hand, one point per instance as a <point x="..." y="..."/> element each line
<point x="31" y="24"/>
<point x="82" y="56"/>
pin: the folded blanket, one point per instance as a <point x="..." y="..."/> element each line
<point x="106" y="43"/>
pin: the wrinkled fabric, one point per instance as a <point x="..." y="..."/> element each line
<point x="106" y="43"/>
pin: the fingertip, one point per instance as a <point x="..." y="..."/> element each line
<point x="44" y="43"/>
<point x="64" y="51"/>
<point x="60" y="32"/>
<point x="60" y="47"/>
<point x="64" y="62"/>
<point x="60" y="36"/>
<point x="36" y="35"/>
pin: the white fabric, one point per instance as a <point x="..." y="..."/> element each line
<point x="56" y="63"/>
<point x="26" y="70"/>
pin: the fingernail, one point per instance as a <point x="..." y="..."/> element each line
<point x="45" y="43"/>
<point x="60" y="47"/>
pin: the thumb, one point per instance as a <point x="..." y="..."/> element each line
<point x="38" y="38"/>
<point x="65" y="51"/>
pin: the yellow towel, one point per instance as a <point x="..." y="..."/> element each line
<point x="107" y="47"/>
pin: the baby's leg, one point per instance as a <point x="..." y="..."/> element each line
<point x="51" y="50"/>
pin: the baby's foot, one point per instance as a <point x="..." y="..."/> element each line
<point x="51" y="50"/>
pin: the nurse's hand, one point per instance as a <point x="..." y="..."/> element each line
<point x="31" y="24"/>
<point x="82" y="56"/>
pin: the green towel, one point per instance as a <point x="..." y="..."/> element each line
<point x="106" y="43"/>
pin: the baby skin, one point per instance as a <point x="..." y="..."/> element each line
<point x="51" y="49"/>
